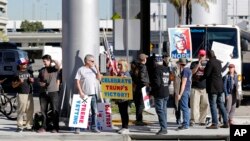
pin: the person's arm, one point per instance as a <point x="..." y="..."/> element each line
<point x="207" y="71"/>
<point x="183" y="84"/>
<point x="79" y="88"/>
<point x="57" y="64"/>
<point x="16" y="82"/>
<point x="225" y="86"/>
<point x="144" y="75"/>
<point x="195" y="67"/>
<point x="98" y="74"/>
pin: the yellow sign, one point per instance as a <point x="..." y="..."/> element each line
<point x="117" y="87"/>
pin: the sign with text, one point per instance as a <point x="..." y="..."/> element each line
<point x="79" y="113"/>
<point x="146" y="99"/>
<point x="239" y="132"/>
<point x="116" y="87"/>
<point x="104" y="118"/>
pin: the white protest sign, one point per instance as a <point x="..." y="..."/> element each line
<point x="79" y="113"/>
<point x="104" y="118"/>
<point x="145" y="98"/>
<point x="222" y="51"/>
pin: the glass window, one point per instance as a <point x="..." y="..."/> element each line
<point x="9" y="57"/>
<point x="203" y="37"/>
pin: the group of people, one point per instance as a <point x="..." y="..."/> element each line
<point x="199" y="85"/>
<point x="49" y="82"/>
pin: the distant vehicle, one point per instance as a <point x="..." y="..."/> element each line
<point x="203" y="36"/>
<point x="36" y="53"/>
<point x="9" y="55"/>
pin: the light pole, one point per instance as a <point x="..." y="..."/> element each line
<point x="160" y="27"/>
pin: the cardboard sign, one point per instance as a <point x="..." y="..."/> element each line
<point x="79" y="113"/>
<point x="116" y="87"/>
<point x="104" y="117"/>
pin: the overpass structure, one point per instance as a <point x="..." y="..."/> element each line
<point x="25" y="39"/>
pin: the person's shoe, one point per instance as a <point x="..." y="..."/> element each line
<point x="41" y="130"/>
<point x="224" y="126"/>
<point x="140" y="123"/>
<point x="19" y="130"/>
<point x="181" y="128"/>
<point x="27" y="130"/>
<point x="95" y="131"/>
<point x="123" y="131"/>
<point x="77" y="131"/>
<point x="162" y="132"/>
<point x="54" y="131"/>
<point x="213" y="126"/>
<point x="192" y="124"/>
<point x="202" y="124"/>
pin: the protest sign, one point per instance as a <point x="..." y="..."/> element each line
<point x="146" y="99"/>
<point x="180" y="43"/>
<point x="104" y="118"/>
<point x="116" y="87"/>
<point x="222" y="51"/>
<point x="79" y="113"/>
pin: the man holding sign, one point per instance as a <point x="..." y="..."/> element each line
<point x="86" y="77"/>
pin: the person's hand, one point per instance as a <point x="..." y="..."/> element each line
<point x="82" y="95"/>
<point x="178" y="97"/>
<point x="31" y="79"/>
<point x="21" y="80"/>
<point x="42" y="84"/>
<point x="227" y="97"/>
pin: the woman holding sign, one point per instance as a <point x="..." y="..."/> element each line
<point x="123" y="104"/>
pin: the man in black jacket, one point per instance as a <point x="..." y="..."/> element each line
<point x="214" y="88"/>
<point x="143" y="80"/>
<point x="160" y="92"/>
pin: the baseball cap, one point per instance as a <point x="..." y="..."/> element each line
<point x="202" y="52"/>
<point x="182" y="61"/>
<point x="22" y="61"/>
<point x="231" y="66"/>
<point x="143" y="56"/>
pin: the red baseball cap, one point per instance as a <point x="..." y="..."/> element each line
<point x="202" y="52"/>
<point x="231" y="66"/>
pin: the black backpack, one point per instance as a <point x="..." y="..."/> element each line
<point x="38" y="121"/>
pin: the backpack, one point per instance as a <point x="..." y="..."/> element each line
<point x="38" y="121"/>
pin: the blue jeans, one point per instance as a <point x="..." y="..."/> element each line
<point x="214" y="100"/>
<point x="160" y="108"/>
<point x="185" y="109"/>
<point x="93" y="108"/>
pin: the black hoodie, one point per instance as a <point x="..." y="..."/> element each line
<point x="160" y="82"/>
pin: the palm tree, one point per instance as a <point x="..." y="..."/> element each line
<point x="181" y="5"/>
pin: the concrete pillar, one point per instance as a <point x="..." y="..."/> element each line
<point x="80" y="36"/>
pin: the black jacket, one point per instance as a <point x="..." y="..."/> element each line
<point x="212" y="74"/>
<point x="143" y="78"/>
<point x="160" y="82"/>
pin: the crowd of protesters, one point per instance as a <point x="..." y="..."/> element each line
<point x="198" y="87"/>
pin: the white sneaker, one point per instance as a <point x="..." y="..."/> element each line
<point x="123" y="131"/>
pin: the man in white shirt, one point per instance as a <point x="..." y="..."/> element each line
<point x="86" y="77"/>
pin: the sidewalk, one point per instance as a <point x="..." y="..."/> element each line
<point x="8" y="127"/>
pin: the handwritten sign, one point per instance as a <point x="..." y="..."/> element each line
<point x="116" y="87"/>
<point x="79" y="113"/>
<point x="222" y="51"/>
<point x="104" y="118"/>
<point x="146" y="99"/>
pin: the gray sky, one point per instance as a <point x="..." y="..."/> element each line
<point x="47" y="9"/>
